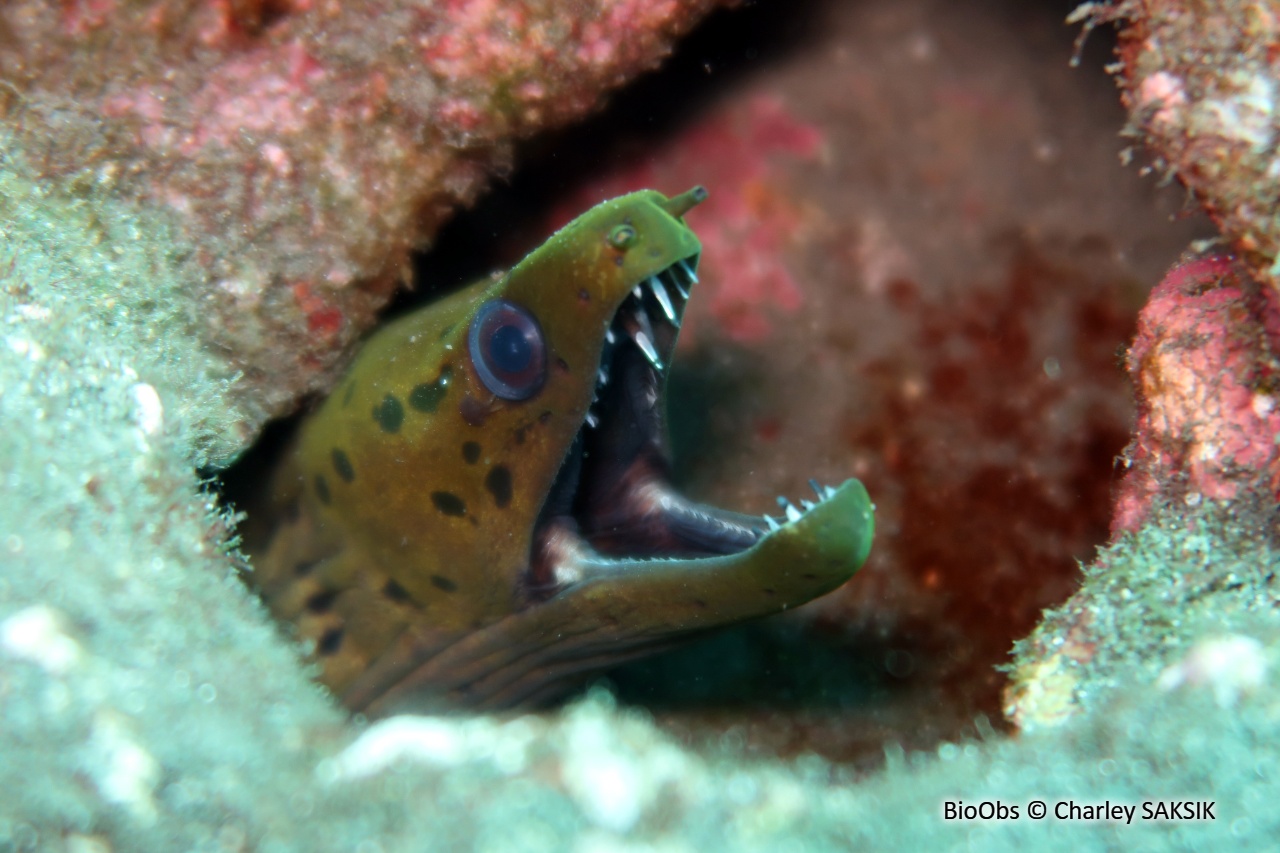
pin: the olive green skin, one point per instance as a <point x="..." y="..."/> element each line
<point x="403" y="517"/>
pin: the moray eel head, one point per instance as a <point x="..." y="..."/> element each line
<point x="481" y="515"/>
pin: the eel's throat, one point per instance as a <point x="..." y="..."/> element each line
<point x="612" y="502"/>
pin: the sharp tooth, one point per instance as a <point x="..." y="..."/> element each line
<point x="642" y="318"/>
<point x="602" y="377"/>
<point x="829" y="490"/>
<point x="808" y="505"/>
<point x="641" y="331"/>
<point x="773" y="524"/>
<point x="817" y="490"/>
<point x="646" y="347"/>
<point x="610" y="336"/>
<point x="688" y="271"/>
<point x="792" y="512"/>
<point x="638" y="293"/>
<point x="660" y="293"/>
<point x="592" y="420"/>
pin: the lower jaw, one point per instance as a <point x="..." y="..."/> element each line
<point x="610" y="609"/>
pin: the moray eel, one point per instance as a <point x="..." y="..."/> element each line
<point x="480" y="515"/>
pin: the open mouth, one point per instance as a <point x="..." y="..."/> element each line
<point x="612" y="502"/>
<point x="622" y="565"/>
<point x="454" y="613"/>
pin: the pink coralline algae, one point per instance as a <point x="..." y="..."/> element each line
<point x="296" y="151"/>
<point x="749" y="221"/>
<point x="1205" y="368"/>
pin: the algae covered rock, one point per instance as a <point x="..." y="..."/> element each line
<point x="294" y="152"/>
<point x="1200" y="83"/>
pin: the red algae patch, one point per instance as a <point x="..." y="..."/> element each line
<point x="1206" y="366"/>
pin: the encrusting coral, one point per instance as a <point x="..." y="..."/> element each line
<point x="1200" y="85"/>
<point x="296" y="152"/>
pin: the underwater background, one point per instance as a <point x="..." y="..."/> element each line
<point x="943" y="253"/>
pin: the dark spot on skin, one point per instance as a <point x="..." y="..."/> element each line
<point x="342" y="465"/>
<point x="498" y="482"/>
<point x="448" y="503"/>
<point x="583" y="296"/>
<point x="330" y="641"/>
<point x="447" y="330"/>
<point x="321" y="601"/>
<point x="348" y="394"/>
<point x="395" y="592"/>
<point x="809" y="576"/>
<point x="292" y="512"/>
<point x="768" y="591"/>
<point x="562" y="365"/>
<point x="304" y="568"/>
<point x="473" y="411"/>
<point x="471" y="452"/>
<point x="701" y="604"/>
<point x="619" y="260"/>
<point x="428" y="396"/>
<point x="544" y="417"/>
<point x="322" y="489"/>
<point x="520" y="434"/>
<point x="389" y="413"/>
<point x="444" y="584"/>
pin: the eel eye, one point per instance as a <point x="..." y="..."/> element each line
<point x="622" y="237"/>
<point x="507" y="350"/>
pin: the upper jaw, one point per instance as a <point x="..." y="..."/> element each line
<point x="648" y="320"/>
<point x="622" y="433"/>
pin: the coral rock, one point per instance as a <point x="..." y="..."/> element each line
<point x="1200" y="83"/>
<point x="298" y="150"/>
<point x="1205" y="369"/>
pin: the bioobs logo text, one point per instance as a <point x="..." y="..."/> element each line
<point x="985" y="810"/>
